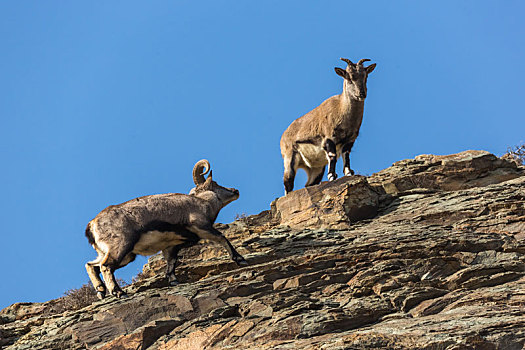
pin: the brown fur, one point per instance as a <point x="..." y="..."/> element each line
<point x="323" y="134"/>
<point x="165" y="222"/>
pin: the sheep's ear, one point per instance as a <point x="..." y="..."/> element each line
<point x="342" y="72"/>
<point x="370" y="68"/>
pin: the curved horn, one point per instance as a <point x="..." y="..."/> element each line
<point x="360" y="63"/>
<point x="347" y="61"/>
<point x="198" y="171"/>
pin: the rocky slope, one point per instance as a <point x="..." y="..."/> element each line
<point x="427" y="254"/>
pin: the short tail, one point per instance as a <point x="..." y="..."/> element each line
<point x="89" y="234"/>
<point x="104" y="259"/>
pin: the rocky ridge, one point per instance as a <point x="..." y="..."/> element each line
<point x="426" y="254"/>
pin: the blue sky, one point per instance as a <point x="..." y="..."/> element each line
<point x="101" y="102"/>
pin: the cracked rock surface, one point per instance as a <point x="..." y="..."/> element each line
<point x="426" y="254"/>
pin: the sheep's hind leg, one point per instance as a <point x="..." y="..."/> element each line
<point x="93" y="270"/>
<point x="118" y="257"/>
<point x="109" y="277"/>
<point x="289" y="173"/>
<point x="110" y="264"/>
<point x="315" y="175"/>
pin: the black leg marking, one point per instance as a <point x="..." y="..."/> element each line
<point x="346" y="159"/>
<point x="288" y="181"/>
<point x="171" y="257"/>
<point x="211" y="233"/>
<point x="329" y="147"/>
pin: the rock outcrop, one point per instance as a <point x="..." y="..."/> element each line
<point x="427" y="254"/>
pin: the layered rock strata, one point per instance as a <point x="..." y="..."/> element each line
<point x="427" y="254"/>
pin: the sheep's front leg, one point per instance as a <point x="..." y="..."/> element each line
<point x="171" y="257"/>
<point x="210" y="233"/>
<point x="346" y="159"/>
<point x="331" y="154"/>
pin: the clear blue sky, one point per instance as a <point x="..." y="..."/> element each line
<point x="101" y="102"/>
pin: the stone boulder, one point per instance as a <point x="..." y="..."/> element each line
<point x="330" y="204"/>
<point x="448" y="173"/>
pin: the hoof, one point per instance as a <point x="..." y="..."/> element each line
<point x="119" y="294"/>
<point x="101" y="295"/>
<point x="332" y="177"/>
<point x="240" y="261"/>
<point x="173" y="283"/>
<point x="349" y="172"/>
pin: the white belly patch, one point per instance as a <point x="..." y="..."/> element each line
<point x="155" y="241"/>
